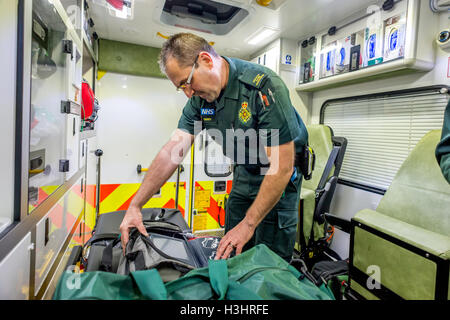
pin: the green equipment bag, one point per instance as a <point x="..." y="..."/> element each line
<point x="256" y="274"/>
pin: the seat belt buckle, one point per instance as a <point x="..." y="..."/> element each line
<point x="306" y="160"/>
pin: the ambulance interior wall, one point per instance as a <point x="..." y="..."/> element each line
<point x="137" y="117"/>
<point x="8" y="47"/>
<point x="348" y="201"/>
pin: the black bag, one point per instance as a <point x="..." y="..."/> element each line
<point x="109" y="223"/>
<point x="166" y="248"/>
<point x="306" y="161"/>
<point x="333" y="274"/>
<point x="106" y="232"/>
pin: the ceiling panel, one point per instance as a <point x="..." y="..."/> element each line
<point x="294" y="19"/>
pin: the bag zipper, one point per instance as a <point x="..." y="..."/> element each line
<point x="260" y="269"/>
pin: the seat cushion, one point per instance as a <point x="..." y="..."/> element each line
<point x="426" y="240"/>
<point x="404" y="272"/>
<point x="419" y="194"/>
<point x="308" y="197"/>
<point x="319" y="137"/>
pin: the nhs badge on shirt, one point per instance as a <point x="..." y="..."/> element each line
<point x="208" y="113"/>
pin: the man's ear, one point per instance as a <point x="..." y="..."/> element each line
<point x="205" y="58"/>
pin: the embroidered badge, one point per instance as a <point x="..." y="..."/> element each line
<point x="244" y="113"/>
<point x="258" y="79"/>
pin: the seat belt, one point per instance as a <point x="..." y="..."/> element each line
<point x="321" y="186"/>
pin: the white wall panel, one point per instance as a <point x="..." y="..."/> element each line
<point x="137" y="117"/>
<point x="15" y="272"/>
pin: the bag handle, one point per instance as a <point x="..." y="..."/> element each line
<point x="150" y="284"/>
<point x="223" y="286"/>
<point x="107" y="256"/>
<point x="218" y="275"/>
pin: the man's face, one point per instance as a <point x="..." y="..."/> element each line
<point x="205" y="81"/>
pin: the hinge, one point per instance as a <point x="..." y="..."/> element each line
<point x="68" y="106"/>
<point x="68" y="47"/>
<point x="63" y="165"/>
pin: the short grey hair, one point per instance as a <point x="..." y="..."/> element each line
<point x="184" y="47"/>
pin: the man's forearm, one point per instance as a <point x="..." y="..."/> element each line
<point x="272" y="187"/>
<point x="162" y="168"/>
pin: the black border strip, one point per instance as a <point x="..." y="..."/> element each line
<point x="362" y="186"/>
<point x="361" y="278"/>
<point x="19" y="114"/>
<point x="442" y="266"/>
<point x="436" y="88"/>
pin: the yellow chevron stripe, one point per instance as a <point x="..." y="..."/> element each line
<point x="167" y="193"/>
<point x="89" y="216"/>
<point x="118" y="197"/>
<point x="74" y="204"/>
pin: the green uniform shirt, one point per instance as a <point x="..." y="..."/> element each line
<point x="255" y="100"/>
<point x="443" y="147"/>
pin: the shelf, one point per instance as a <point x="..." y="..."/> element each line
<point x="418" y="55"/>
<point x="398" y="66"/>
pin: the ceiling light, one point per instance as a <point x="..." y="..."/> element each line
<point x="261" y="35"/>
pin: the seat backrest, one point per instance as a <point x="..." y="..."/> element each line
<point x="419" y="194"/>
<point x="320" y="140"/>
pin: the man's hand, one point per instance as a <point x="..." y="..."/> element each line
<point x="236" y="238"/>
<point x="132" y="219"/>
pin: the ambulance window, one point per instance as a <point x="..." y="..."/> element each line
<point x="216" y="163"/>
<point x="382" y="130"/>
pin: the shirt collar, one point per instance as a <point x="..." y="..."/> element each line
<point x="232" y="88"/>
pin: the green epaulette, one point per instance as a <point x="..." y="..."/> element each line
<point x="254" y="77"/>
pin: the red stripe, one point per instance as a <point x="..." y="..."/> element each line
<point x="126" y="204"/>
<point x="106" y="190"/>
<point x="90" y="194"/>
<point x="229" y="185"/>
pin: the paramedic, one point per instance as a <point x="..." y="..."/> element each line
<point x="238" y="101"/>
<point x="443" y="147"/>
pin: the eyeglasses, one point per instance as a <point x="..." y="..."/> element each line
<point x="183" y="86"/>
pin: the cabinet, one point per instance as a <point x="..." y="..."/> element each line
<point x="378" y="44"/>
<point x="281" y="57"/>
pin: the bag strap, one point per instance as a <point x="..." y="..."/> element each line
<point x="321" y="186"/>
<point x="107" y="257"/>
<point x="328" y="167"/>
<point x="218" y="274"/>
<point x="102" y="236"/>
<point x="150" y="284"/>
<point x="224" y="287"/>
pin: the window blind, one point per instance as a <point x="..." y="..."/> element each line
<point x="381" y="132"/>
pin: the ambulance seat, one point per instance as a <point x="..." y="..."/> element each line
<point x="330" y="150"/>
<point x="404" y="245"/>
